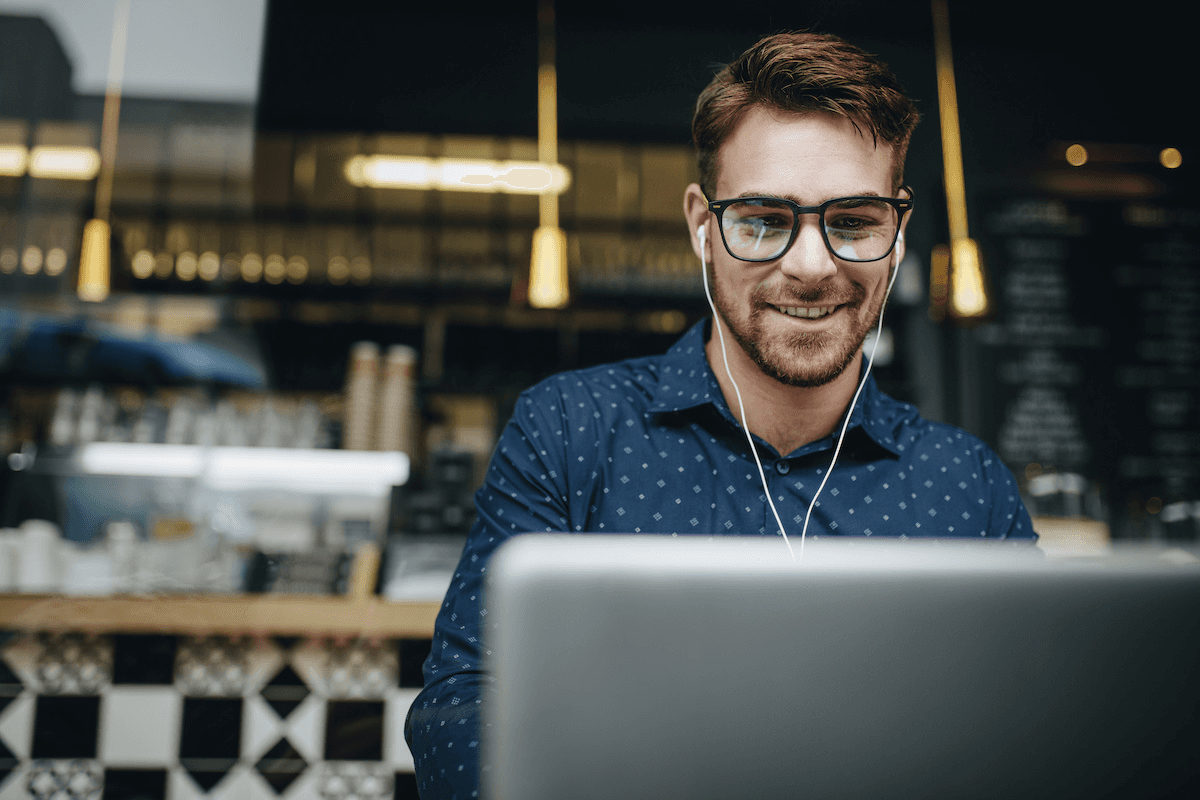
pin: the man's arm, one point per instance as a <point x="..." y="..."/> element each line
<point x="1009" y="517"/>
<point x="524" y="490"/>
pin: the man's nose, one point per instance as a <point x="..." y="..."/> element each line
<point x="808" y="260"/>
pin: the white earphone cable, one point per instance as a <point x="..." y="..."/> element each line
<point x="703" y="236"/>
<point x="741" y="405"/>
<point x="846" y="422"/>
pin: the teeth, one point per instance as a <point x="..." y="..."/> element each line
<point x="805" y="312"/>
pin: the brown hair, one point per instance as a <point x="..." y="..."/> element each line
<point x="804" y="72"/>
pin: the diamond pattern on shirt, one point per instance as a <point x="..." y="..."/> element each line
<point x="649" y="446"/>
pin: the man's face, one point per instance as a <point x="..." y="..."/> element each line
<point x="801" y="318"/>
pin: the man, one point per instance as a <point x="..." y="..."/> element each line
<point x="800" y="213"/>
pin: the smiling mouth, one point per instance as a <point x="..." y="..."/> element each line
<point x="806" y="312"/>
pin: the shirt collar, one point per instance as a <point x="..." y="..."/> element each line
<point x="686" y="381"/>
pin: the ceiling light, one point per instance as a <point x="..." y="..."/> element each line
<point x="1171" y="158"/>
<point x="968" y="287"/>
<point x="14" y="158"/>
<point x="93" y="261"/>
<point x="968" y="293"/>
<point x="68" y="163"/>
<point x="56" y="261"/>
<point x="548" y="285"/>
<point x="457" y="174"/>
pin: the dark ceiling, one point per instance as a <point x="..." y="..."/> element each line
<point x="1028" y="72"/>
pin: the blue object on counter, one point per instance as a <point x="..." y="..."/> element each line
<point x="76" y="348"/>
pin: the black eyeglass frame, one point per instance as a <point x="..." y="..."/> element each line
<point x="901" y="205"/>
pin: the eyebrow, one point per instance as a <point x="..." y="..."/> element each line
<point x="795" y="200"/>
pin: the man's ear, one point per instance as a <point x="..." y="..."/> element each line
<point x="695" y="210"/>
<point x="898" y="253"/>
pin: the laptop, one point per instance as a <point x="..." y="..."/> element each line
<point x="658" y="667"/>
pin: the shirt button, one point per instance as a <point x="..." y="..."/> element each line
<point x="783" y="467"/>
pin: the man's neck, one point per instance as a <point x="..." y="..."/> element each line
<point x="786" y="417"/>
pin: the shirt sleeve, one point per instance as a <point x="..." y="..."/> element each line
<point x="1010" y="519"/>
<point x="524" y="491"/>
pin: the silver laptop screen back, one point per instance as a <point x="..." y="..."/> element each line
<point x="668" y="668"/>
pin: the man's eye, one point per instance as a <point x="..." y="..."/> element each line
<point x="770" y="221"/>
<point x="848" y="223"/>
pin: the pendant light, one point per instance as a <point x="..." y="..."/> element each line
<point x="94" y="268"/>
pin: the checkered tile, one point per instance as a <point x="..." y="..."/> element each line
<point x="161" y="717"/>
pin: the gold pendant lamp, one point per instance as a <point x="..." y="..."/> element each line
<point x="958" y="280"/>
<point x="94" y="268"/>
<point x="548" y="286"/>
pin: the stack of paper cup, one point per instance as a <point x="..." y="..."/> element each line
<point x="358" y="425"/>
<point x="397" y="418"/>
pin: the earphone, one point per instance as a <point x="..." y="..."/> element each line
<point x="702" y="235"/>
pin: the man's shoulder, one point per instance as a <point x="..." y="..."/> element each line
<point x="632" y="377"/>
<point x="914" y="433"/>
<point x="629" y="378"/>
<point x="928" y="439"/>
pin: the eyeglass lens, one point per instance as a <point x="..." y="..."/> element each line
<point x="856" y="229"/>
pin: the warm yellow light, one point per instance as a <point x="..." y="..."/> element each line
<point x="390" y="172"/>
<point x="31" y="260"/>
<point x="297" y="269"/>
<point x="9" y="260"/>
<point x="1171" y="158"/>
<point x="548" y="272"/>
<point x="457" y="174"/>
<point x="56" y="261"/>
<point x="338" y="270"/>
<point x="209" y="266"/>
<point x="967" y="287"/>
<point x="14" y="159"/>
<point x="274" y="268"/>
<point x="1077" y="155"/>
<point x="968" y="293"/>
<point x="66" y="163"/>
<point x="143" y="264"/>
<point x="252" y="267"/>
<point x="93" y="262"/>
<point x="185" y="265"/>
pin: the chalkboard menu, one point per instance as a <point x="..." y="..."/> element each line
<point x="1092" y="363"/>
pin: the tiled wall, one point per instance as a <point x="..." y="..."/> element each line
<point x="157" y="717"/>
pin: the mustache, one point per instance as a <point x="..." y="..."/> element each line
<point x="853" y="295"/>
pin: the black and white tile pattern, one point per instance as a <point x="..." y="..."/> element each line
<point x="160" y="717"/>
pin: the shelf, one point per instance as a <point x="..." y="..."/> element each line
<point x="359" y="613"/>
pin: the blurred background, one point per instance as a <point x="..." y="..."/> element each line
<point x="269" y="288"/>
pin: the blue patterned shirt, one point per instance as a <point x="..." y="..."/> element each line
<point x="650" y="446"/>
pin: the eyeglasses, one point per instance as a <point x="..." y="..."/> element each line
<point x="854" y="228"/>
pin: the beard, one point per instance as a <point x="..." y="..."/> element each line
<point x="806" y="360"/>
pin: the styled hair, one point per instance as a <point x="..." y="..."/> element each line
<point x="804" y="72"/>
